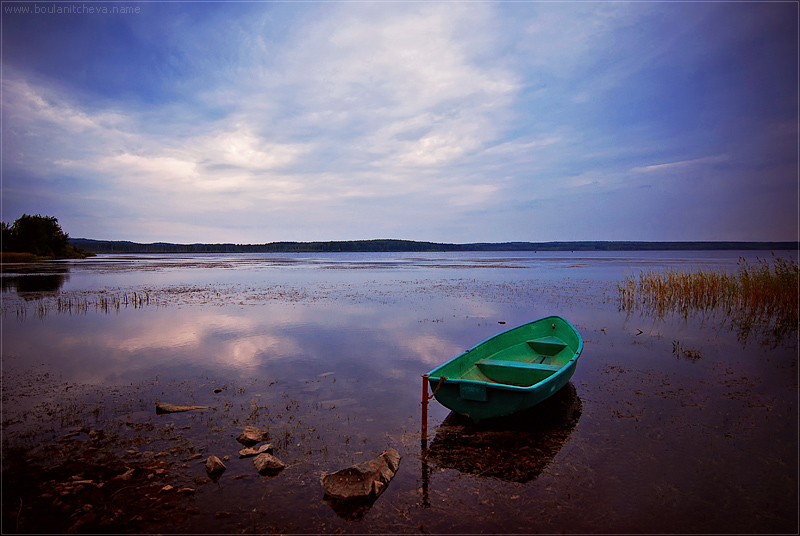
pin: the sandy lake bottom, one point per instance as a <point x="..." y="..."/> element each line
<point x="673" y="424"/>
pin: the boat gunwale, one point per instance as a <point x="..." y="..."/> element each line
<point x="506" y="386"/>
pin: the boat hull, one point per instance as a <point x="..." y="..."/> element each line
<point x="510" y="372"/>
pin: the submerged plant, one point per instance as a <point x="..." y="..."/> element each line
<point x="761" y="296"/>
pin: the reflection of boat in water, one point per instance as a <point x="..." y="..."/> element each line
<point x="510" y="372"/>
<point x="515" y="448"/>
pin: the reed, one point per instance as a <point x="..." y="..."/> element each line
<point x="761" y="295"/>
<point x="79" y="303"/>
<point x="13" y="258"/>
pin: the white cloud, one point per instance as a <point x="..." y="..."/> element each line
<point x="240" y="147"/>
<point x="398" y="83"/>
<point x="25" y="101"/>
<point x="363" y="104"/>
<point x="364" y="119"/>
<point x="520" y="148"/>
<point x="683" y="164"/>
<point x="401" y="63"/>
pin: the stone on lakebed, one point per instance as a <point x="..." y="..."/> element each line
<point x="164" y="407"/>
<point x="266" y="463"/>
<point x="364" y="480"/>
<point x="247" y="451"/>
<point x="214" y="465"/>
<point x="251" y="436"/>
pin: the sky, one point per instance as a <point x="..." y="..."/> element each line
<point x="456" y="122"/>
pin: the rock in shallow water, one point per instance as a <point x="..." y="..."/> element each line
<point x="251" y="436"/>
<point x="164" y="407"/>
<point x="367" y="479"/>
<point x="214" y="465"/>
<point x="247" y="452"/>
<point x="267" y="463"/>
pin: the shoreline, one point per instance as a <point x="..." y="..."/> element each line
<point x="400" y="246"/>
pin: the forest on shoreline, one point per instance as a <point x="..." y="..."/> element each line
<point x="391" y="245"/>
<point x="36" y="237"/>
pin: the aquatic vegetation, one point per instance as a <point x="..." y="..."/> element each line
<point x="761" y="296"/>
<point x="76" y="303"/>
<point x="684" y="353"/>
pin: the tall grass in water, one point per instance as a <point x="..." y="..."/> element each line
<point x="761" y="296"/>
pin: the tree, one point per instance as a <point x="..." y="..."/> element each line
<point x="40" y="235"/>
<point x="7" y="235"/>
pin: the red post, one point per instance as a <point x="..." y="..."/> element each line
<point x="424" y="431"/>
<point x="423" y="440"/>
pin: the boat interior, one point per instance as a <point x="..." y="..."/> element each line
<point x="523" y="364"/>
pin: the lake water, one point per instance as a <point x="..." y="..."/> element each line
<point x="671" y="424"/>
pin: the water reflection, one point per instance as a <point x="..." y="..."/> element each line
<point x="34" y="286"/>
<point x="516" y="448"/>
<point x="351" y="509"/>
<point x="330" y="360"/>
<point x="771" y="327"/>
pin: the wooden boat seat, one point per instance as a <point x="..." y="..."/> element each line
<point x="518" y="373"/>
<point x="547" y="345"/>
<point x="518" y="365"/>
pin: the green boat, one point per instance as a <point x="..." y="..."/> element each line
<point x="509" y="372"/>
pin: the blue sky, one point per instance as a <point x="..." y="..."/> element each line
<point x="447" y="122"/>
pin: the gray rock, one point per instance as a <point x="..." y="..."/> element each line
<point x="251" y="436"/>
<point x="267" y="463"/>
<point x="365" y="480"/>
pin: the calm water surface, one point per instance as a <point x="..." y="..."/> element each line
<point x="676" y="424"/>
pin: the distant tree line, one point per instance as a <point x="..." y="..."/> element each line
<point x="40" y="236"/>
<point x="390" y="245"/>
<point x="111" y="246"/>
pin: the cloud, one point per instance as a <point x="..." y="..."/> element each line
<point x="352" y="120"/>
<point x="30" y="103"/>
<point x="521" y="147"/>
<point x="362" y="104"/>
<point x="393" y="90"/>
<point x="684" y="164"/>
